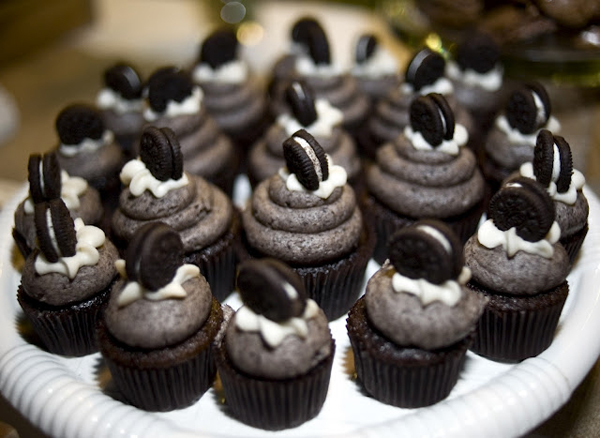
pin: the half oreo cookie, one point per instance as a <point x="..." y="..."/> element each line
<point x="301" y="100"/>
<point x="160" y="151"/>
<point x="478" y="52"/>
<point x="77" y="122"/>
<point x="433" y="118"/>
<point x="301" y="28"/>
<point x="55" y="230"/>
<point x="44" y="177"/>
<point x="545" y="160"/>
<point x="125" y="80"/>
<point x="365" y="47"/>
<point x="318" y="46"/>
<point x="166" y="85"/>
<point x="305" y="158"/>
<point x="219" y="48"/>
<point x="528" y="108"/>
<point x="425" y="68"/>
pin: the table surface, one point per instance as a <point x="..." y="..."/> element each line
<point x="70" y="71"/>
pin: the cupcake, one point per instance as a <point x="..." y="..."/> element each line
<point x="425" y="173"/>
<point x="175" y="102"/>
<point x="411" y="330"/>
<point x="307" y="216"/>
<point x="552" y="167"/>
<point x="121" y="104"/>
<point x="316" y="116"/>
<point x="47" y="181"/>
<point x="519" y="265"/>
<point x="66" y="280"/>
<point x="160" y="324"/>
<point x="233" y="96"/>
<point x="276" y="356"/>
<point x="156" y="189"/>
<point x="424" y="75"/>
<point x="512" y="139"/>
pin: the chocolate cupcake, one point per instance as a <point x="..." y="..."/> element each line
<point x="46" y="182"/>
<point x="276" y="356"/>
<point x="158" y="329"/>
<point x="307" y="216"/>
<point x="158" y="190"/>
<point x="425" y="173"/>
<point x="315" y="115"/>
<point x="175" y="102"/>
<point x="518" y="263"/>
<point x="411" y="330"/>
<point x="552" y="167"/>
<point x="66" y="280"/>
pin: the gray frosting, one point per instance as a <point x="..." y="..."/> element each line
<point x="299" y="227"/>
<point x="379" y="87"/>
<point x="59" y="290"/>
<point x="572" y="218"/>
<point x="403" y="319"/>
<point x="424" y="183"/>
<point x="293" y="357"/>
<point x="157" y="324"/>
<point x="105" y="161"/>
<point x="128" y="123"/>
<point x="507" y="154"/>
<point x="523" y="274"/>
<point x="200" y="212"/>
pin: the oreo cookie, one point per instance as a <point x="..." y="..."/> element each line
<point x="544" y="159"/>
<point x="153" y="255"/>
<point x="219" y="48"/>
<point x="166" y="85"/>
<point x="55" y="230"/>
<point x="78" y="122"/>
<point x="272" y="289"/>
<point x="478" y="52"/>
<point x="528" y="108"/>
<point x="301" y="28"/>
<point x="318" y="46"/>
<point x="427" y="249"/>
<point x="524" y="204"/>
<point x="425" y="68"/>
<point x="301" y="100"/>
<point x="365" y="47"/>
<point x="125" y="80"/>
<point x="433" y="118"/>
<point x="161" y="152"/>
<point x="305" y="158"/>
<point x="44" y="177"/>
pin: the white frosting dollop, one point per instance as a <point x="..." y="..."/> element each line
<point x="516" y="136"/>
<point x="451" y="147"/>
<point x="337" y="178"/>
<point x="490" y="81"/>
<point x="328" y="117"/>
<point x="491" y="237"/>
<point x="134" y="291"/>
<point x="138" y="178"/>
<point x="86" y="145"/>
<point x="449" y="292"/>
<point x="189" y="105"/>
<point x="72" y="187"/>
<point x="441" y="86"/>
<point x="89" y="238"/>
<point x="306" y="67"/>
<point x="570" y="196"/>
<point x="381" y="63"/>
<point x="109" y="99"/>
<point x="273" y="333"/>
<point x="234" y="72"/>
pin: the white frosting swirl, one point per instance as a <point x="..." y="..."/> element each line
<point x="134" y="291"/>
<point x="273" y="333"/>
<point x="337" y="178"/>
<point x="88" y="239"/>
<point x="234" y="72"/>
<point x="570" y="196"/>
<point x="86" y="145"/>
<point x="441" y="86"/>
<point x="515" y="136"/>
<point x="491" y="237"/>
<point x="189" y="105"/>
<point x="449" y="292"/>
<point x="109" y="99"/>
<point x="72" y="187"/>
<point x="490" y="81"/>
<point x="138" y="178"/>
<point x="306" y="67"/>
<point x="451" y="147"/>
<point x="381" y="63"/>
<point x="328" y="117"/>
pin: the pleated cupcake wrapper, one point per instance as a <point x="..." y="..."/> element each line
<point x="514" y="335"/>
<point x="573" y="243"/>
<point x="68" y="331"/>
<point x="274" y="404"/>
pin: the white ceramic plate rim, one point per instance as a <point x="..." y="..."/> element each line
<point x="63" y="396"/>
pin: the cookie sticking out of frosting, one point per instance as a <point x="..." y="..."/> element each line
<point x="433" y="118"/>
<point x="552" y="161"/>
<point x="161" y="153"/>
<point x="478" y="52"/>
<point x="305" y="158"/>
<point x="168" y="85"/>
<point x="219" y="48"/>
<point x="301" y="100"/>
<point x="78" y="122"/>
<point x="301" y="28"/>
<point x="272" y="289"/>
<point x="425" y="68"/>
<point x="44" y="177"/>
<point x="318" y="46"/>
<point x="528" y="108"/>
<point x="523" y="204"/>
<point x="365" y="48"/>
<point x="124" y="79"/>
<point x="55" y="230"/>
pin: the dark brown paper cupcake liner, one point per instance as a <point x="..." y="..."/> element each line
<point x="274" y="404"/>
<point x="402" y="377"/>
<point x="573" y="243"/>
<point x="165" y="379"/>
<point x="514" y="328"/>
<point x="69" y="330"/>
